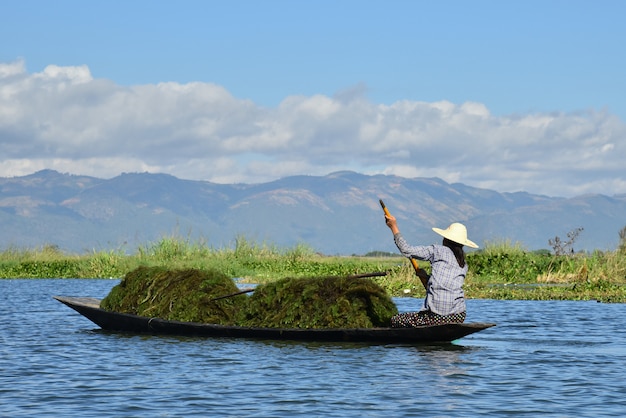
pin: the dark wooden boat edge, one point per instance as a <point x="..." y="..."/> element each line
<point x="121" y="322"/>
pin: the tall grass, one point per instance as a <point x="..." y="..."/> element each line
<point x="499" y="270"/>
<point x="245" y="259"/>
<point x="506" y="271"/>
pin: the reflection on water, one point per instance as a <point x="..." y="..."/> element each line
<point x="543" y="358"/>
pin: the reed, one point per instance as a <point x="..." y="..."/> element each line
<point x="501" y="270"/>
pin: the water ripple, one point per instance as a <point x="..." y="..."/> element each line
<point x="543" y="358"/>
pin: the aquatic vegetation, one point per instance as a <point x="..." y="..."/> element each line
<point x="319" y="302"/>
<point x="602" y="274"/>
<point x="180" y="295"/>
<point x="197" y="296"/>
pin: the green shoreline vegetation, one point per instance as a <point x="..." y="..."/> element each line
<point x="498" y="271"/>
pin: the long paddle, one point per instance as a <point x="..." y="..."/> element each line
<point x="418" y="271"/>
<point x="354" y="276"/>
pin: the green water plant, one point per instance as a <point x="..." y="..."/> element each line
<point x="319" y="302"/>
<point x="211" y="297"/>
<point x="537" y="274"/>
<point x="181" y="295"/>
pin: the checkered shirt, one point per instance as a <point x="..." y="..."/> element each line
<point x="444" y="293"/>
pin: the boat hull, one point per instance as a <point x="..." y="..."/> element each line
<point x="115" y="321"/>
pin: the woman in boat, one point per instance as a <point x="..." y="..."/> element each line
<point x="445" y="301"/>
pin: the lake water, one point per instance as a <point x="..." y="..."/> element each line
<point x="562" y="359"/>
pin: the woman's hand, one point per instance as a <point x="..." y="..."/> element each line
<point x="391" y="222"/>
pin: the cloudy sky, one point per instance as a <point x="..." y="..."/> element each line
<point x="510" y="96"/>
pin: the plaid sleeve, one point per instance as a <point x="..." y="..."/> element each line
<point x="410" y="251"/>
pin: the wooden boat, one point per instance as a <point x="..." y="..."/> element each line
<point x="115" y="321"/>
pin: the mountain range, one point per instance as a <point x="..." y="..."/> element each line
<point x="336" y="214"/>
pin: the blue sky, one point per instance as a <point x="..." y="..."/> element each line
<point x="504" y="95"/>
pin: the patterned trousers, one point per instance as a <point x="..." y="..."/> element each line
<point x="422" y="318"/>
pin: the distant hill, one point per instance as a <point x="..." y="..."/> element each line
<point x="335" y="214"/>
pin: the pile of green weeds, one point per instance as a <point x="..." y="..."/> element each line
<point x="197" y="296"/>
<point x="319" y="302"/>
<point x="179" y="295"/>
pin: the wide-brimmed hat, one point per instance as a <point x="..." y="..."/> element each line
<point x="456" y="232"/>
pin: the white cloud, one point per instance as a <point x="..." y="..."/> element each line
<point x="72" y="75"/>
<point x="12" y="68"/>
<point x="64" y="119"/>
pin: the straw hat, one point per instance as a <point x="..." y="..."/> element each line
<point x="456" y="232"/>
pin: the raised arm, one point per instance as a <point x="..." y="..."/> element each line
<point x="392" y="223"/>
